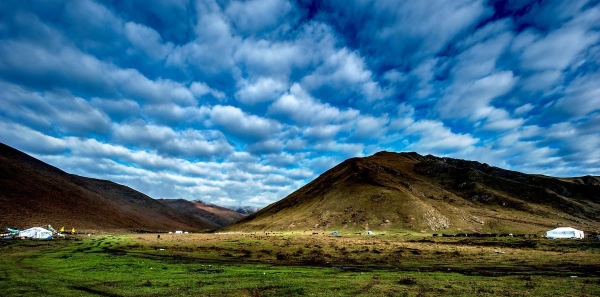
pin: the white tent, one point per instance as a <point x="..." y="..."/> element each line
<point x="564" y="232"/>
<point x="36" y="232"/>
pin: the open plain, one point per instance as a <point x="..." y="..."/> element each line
<point x="298" y="264"/>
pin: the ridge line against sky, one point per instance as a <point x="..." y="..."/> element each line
<point x="243" y="102"/>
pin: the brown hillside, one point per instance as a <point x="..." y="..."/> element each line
<point x="407" y="191"/>
<point x="220" y="216"/>
<point x="33" y="193"/>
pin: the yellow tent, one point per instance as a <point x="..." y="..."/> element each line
<point x="62" y="229"/>
<point x="73" y="231"/>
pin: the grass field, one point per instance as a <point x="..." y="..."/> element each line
<point x="297" y="264"/>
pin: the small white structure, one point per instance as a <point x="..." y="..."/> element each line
<point x="36" y="232"/>
<point x="178" y="232"/>
<point x="369" y="233"/>
<point x="565" y="232"/>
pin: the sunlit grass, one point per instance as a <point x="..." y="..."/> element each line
<point x="298" y="265"/>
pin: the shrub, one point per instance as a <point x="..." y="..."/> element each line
<point x="282" y="256"/>
<point x="407" y="281"/>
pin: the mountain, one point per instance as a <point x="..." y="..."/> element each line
<point x="410" y="192"/>
<point x="220" y="216"/>
<point x="33" y="193"/>
<point x="244" y="210"/>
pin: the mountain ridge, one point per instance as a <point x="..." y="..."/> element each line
<point x="408" y="191"/>
<point x="34" y="193"/>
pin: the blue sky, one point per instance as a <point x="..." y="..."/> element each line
<point x="241" y="103"/>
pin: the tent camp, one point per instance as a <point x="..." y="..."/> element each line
<point x="564" y="232"/>
<point x="36" y="232"/>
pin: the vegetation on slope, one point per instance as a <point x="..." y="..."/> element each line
<point x="407" y="191"/>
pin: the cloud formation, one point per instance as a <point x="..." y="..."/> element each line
<point x="243" y="102"/>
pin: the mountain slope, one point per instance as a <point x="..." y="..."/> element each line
<point x="407" y="191"/>
<point x="35" y="193"/>
<point x="220" y="216"/>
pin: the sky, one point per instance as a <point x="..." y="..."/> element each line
<point x="244" y="102"/>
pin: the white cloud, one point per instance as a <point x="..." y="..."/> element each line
<point x="296" y="144"/>
<point x="371" y="127"/>
<point x="413" y="28"/>
<point x="500" y="120"/>
<point x="525" y="108"/>
<point x="255" y="15"/>
<point x="173" y="114"/>
<point x="278" y="58"/>
<point x="556" y="50"/>
<point x="69" y="67"/>
<point x="343" y="150"/>
<point x="480" y="59"/>
<point x="424" y="72"/>
<point x="269" y="146"/>
<point x="141" y="133"/>
<point x="581" y="97"/>
<point x="116" y="109"/>
<point x="147" y="40"/>
<point x="29" y="140"/>
<point x="542" y="80"/>
<point x="471" y="100"/>
<point x="322" y="132"/>
<point x="235" y="121"/>
<point x="187" y="143"/>
<point x="52" y="110"/>
<point x="436" y="138"/>
<point x="263" y="89"/>
<point x="200" y="89"/>
<point x="344" y="69"/>
<point x="212" y="49"/>
<point x="302" y="108"/>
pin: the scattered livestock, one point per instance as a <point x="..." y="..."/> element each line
<point x="487" y="235"/>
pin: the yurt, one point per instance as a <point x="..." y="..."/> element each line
<point x="564" y="232"/>
<point x="37" y="233"/>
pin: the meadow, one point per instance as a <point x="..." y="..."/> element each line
<point x="298" y="264"/>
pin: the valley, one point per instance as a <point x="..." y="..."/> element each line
<point x="391" y="224"/>
<point x="297" y="264"/>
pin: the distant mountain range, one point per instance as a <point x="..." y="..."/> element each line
<point x="411" y="192"/>
<point x="218" y="215"/>
<point x="33" y="193"/>
<point x="383" y="192"/>
<point x="244" y="210"/>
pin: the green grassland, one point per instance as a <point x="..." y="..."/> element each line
<point x="298" y="264"/>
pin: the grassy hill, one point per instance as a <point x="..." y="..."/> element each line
<point x="33" y="193"/>
<point x="213" y="214"/>
<point x="410" y="192"/>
